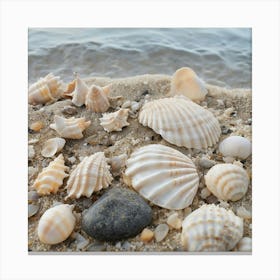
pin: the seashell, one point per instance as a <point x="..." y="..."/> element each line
<point x="91" y="175"/>
<point x="51" y="178"/>
<point x="70" y="128"/>
<point x="97" y="99"/>
<point x="244" y="245"/>
<point x="235" y="147"/>
<point x="115" y="121"/>
<point x="47" y="89"/>
<point x="56" y="224"/>
<point x="52" y="146"/>
<point x="227" y="181"/>
<point x="181" y="122"/>
<point x="211" y="228"/>
<point x="163" y="176"/>
<point x="185" y="82"/>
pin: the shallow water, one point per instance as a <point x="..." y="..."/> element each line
<point x="221" y="56"/>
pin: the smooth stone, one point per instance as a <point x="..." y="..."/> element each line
<point x="161" y="232"/>
<point x="32" y="209"/>
<point x="120" y="213"/>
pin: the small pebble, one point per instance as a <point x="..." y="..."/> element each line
<point x="33" y="196"/>
<point x="33" y="141"/>
<point x="228" y="112"/>
<point x="225" y="130"/>
<point x="126" y="246"/>
<point x="32" y="209"/>
<point x="146" y="235"/>
<point x="245" y="245"/>
<point x="174" y="221"/>
<point x="72" y="159"/>
<point x="135" y="106"/>
<point x="147" y="138"/>
<point x="206" y="163"/>
<point x="161" y="232"/>
<point x="31" y="171"/>
<point x="242" y="212"/>
<point x="96" y="247"/>
<point x="187" y="211"/>
<point x="205" y="193"/>
<point x="211" y="199"/>
<point x="31" y="152"/>
<point x="224" y="204"/>
<point x="126" y="104"/>
<point x="80" y="241"/>
<point x="228" y="159"/>
<point x="118" y="245"/>
<point x="69" y="110"/>
<point x="238" y="163"/>
<point x="36" y="126"/>
<point x="117" y="163"/>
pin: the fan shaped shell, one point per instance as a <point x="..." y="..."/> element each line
<point x="115" y="121"/>
<point x="53" y="146"/>
<point x="97" y="99"/>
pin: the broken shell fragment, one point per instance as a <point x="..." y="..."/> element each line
<point x="52" y="146"/>
<point x="115" y="121"/>
<point x="97" y="99"/>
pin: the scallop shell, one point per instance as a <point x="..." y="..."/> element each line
<point x="163" y="176"/>
<point x="70" y="128"/>
<point x="91" y="175"/>
<point x="185" y="82"/>
<point x="227" y="181"/>
<point x="244" y="245"/>
<point x="51" y="178"/>
<point x="236" y="147"/>
<point x="181" y="122"/>
<point x="47" y="89"/>
<point x="211" y="229"/>
<point x="115" y="121"/>
<point x="56" y="224"/>
<point x="52" y="146"/>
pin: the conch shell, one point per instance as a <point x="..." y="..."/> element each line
<point x="115" y="121"/>
<point x="52" y="146"/>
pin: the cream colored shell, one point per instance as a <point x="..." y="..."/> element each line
<point x="115" y="121"/>
<point x="52" y="146"/>
<point x="80" y="92"/>
<point x="70" y="128"/>
<point x="163" y="176"/>
<point x="227" y="181"/>
<point x="56" y="224"/>
<point x="97" y="99"/>
<point x="51" y="178"/>
<point x="91" y="175"/>
<point x="211" y="229"/>
<point x="244" y="245"/>
<point x="181" y="122"/>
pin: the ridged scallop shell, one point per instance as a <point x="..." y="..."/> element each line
<point x="52" y="146"/>
<point x="115" y="121"/>
<point x="163" y="176"/>
<point x="51" y="178"/>
<point x="80" y="92"/>
<point x="56" y="224"/>
<point x="47" y="89"/>
<point x="91" y="175"/>
<point x="227" y="181"/>
<point x="211" y="229"/>
<point x="71" y="128"/>
<point x="181" y="122"/>
<point x="185" y="82"/>
<point x="244" y="245"/>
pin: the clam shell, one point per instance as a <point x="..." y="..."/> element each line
<point x="56" y="224"/>
<point x="51" y="178"/>
<point x="115" y="121"/>
<point x="80" y="92"/>
<point x="211" y="229"/>
<point x="52" y="146"/>
<point x="227" y="181"/>
<point x="181" y="122"/>
<point x="97" y="99"/>
<point x="163" y="176"/>
<point x="70" y="128"/>
<point x="91" y="175"/>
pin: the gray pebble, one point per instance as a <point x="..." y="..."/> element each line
<point x="33" y="196"/>
<point x="206" y="163"/>
<point x="69" y="110"/>
<point x="32" y="209"/>
<point x="161" y="232"/>
<point x="96" y="247"/>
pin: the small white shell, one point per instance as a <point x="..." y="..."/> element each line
<point x="181" y="122"/>
<point x="70" y="128"/>
<point x="244" y="245"/>
<point x="91" y="175"/>
<point x="56" y="224"/>
<point x="51" y="178"/>
<point x="236" y="147"/>
<point x="52" y="146"/>
<point x="80" y="92"/>
<point x="211" y="229"/>
<point x="227" y="181"/>
<point x="185" y="82"/>
<point x="97" y="99"/>
<point x="115" y="121"/>
<point x="163" y="176"/>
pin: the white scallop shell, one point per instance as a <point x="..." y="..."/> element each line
<point x="70" y="128"/>
<point x="244" y="245"/>
<point x="80" y="92"/>
<point x="227" y="181"/>
<point x="52" y="146"/>
<point x="56" y="224"/>
<point x="115" y="121"/>
<point x="185" y="82"/>
<point x="181" y="122"/>
<point x="91" y="175"/>
<point x="51" y="178"/>
<point x="211" y="229"/>
<point x="163" y="176"/>
<point x="236" y="147"/>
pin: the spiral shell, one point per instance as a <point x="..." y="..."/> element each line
<point x="91" y="175"/>
<point x="227" y="181"/>
<point x="163" y="176"/>
<point x="181" y="122"/>
<point x="56" y="224"/>
<point x="115" y="121"/>
<point x="80" y="92"/>
<point x="51" y="178"/>
<point x="211" y="229"/>
<point x="70" y="128"/>
<point x="52" y="146"/>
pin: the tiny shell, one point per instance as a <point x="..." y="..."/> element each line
<point x="91" y="175"/>
<point x="162" y="175"/>
<point x="52" y="146"/>
<point x="51" y="178"/>
<point x="115" y="121"/>
<point x="70" y="128"/>
<point x="245" y="245"/>
<point x="211" y="229"/>
<point x="227" y="181"/>
<point x="80" y="92"/>
<point x="56" y="224"/>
